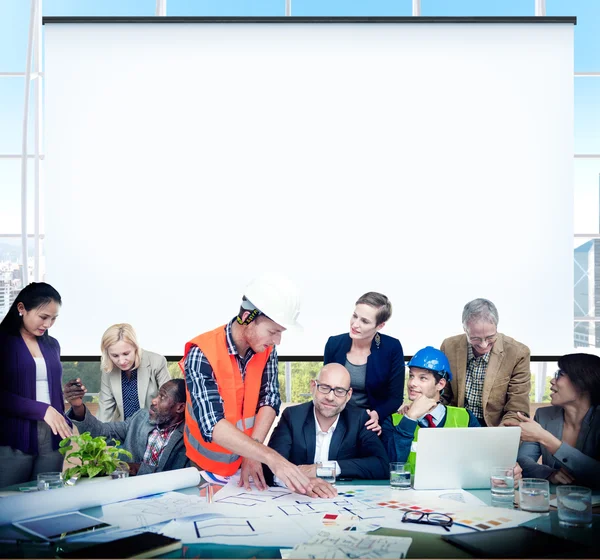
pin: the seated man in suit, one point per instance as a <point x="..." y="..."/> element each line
<point x="326" y="433"/>
<point x="429" y="374"/>
<point x="154" y="436"/>
<point x="492" y="377"/>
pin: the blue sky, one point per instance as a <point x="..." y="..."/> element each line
<point x="14" y="17"/>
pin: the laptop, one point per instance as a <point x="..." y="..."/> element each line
<point x="463" y="457"/>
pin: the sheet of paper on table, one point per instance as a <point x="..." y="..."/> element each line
<point x="482" y="518"/>
<point x="143" y="512"/>
<point x="342" y="544"/>
<point x="219" y="528"/>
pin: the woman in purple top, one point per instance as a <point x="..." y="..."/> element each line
<point x="31" y="398"/>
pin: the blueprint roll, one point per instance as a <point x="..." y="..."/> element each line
<point x="82" y="495"/>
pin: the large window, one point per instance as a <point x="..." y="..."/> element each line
<point x="14" y="29"/>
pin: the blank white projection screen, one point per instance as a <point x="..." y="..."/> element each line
<point x="430" y="162"/>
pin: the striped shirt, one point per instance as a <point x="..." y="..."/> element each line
<point x="204" y="392"/>
<point x="475" y="376"/>
<point x="129" y="387"/>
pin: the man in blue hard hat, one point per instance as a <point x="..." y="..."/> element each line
<point x="429" y="373"/>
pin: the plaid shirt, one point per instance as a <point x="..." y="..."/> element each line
<point x="157" y="441"/>
<point x="476" y="367"/>
<point x="202" y="385"/>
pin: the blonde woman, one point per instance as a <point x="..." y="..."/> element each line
<point x="131" y="376"/>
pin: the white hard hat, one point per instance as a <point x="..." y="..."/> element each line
<point x="277" y="297"/>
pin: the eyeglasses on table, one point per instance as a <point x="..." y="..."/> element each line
<point x="438" y="519"/>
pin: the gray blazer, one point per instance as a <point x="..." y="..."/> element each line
<point x="133" y="435"/>
<point x="151" y="374"/>
<point x="582" y="461"/>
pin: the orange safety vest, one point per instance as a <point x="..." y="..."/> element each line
<point x="240" y="399"/>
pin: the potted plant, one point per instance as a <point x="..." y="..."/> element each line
<point x="90" y="456"/>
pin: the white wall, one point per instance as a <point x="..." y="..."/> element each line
<point x="431" y="162"/>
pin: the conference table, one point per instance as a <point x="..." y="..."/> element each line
<point x="424" y="545"/>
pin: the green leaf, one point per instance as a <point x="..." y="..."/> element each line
<point x="64" y="450"/>
<point x="93" y="471"/>
<point x="126" y="453"/>
<point x="93" y="456"/>
<point x="71" y="472"/>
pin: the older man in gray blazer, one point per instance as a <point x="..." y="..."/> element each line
<point x="154" y="436"/>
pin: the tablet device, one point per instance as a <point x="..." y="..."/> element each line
<point x="468" y="456"/>
<point x="519" y="542"/>
<point x="61" y="526"/>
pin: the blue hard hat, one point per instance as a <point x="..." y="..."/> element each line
<point x="432" y="359"/>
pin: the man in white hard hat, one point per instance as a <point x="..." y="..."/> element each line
<point x="233" y="389"/>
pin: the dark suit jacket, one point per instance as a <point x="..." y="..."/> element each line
<point x="385" y="371"/>
<point x="583" y="460"/>
<point x="358" y="451"/>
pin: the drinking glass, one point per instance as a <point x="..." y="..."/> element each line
<point x="327" y="474"/>
<point x="399" y="476"/>
<point x="49" y="480"/>
<point x="502" y="484"/>
<point x="534" y="495"/>
<point x="122" y="471"/>
<point x="574" y="506"/>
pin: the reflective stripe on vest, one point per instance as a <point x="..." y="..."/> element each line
<point x="211" y="455"/>
<point x="240" y="399"/>
<point x="455" y="418"/>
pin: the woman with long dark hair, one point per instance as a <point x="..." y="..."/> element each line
<point x="31" y="397"/>
<point x="566" y="434"/>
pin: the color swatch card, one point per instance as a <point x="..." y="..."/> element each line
<point x="487" y="518"/>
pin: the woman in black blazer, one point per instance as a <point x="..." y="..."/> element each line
<point x="375" y="361"/>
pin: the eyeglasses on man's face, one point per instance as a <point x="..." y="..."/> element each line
<point x="439" y="519"/>
<point x="487" y="340"/>
<point x="326" y="389"/>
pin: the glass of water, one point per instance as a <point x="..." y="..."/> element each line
<point x="122" y="471"/>
<point x="574" y="506"/>
<point x="49" y="480"/>
<point x="399" y="476"/>
<point x="327" y="473"/>
<point x="534" y="495"/>
<point x="502" y="484"/>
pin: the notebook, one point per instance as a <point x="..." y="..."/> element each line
<point x="142" y="545"/>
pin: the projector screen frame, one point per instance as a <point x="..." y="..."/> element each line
<point x="311" y="20"/>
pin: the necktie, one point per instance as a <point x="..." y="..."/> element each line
<point x="430" y="421"/>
